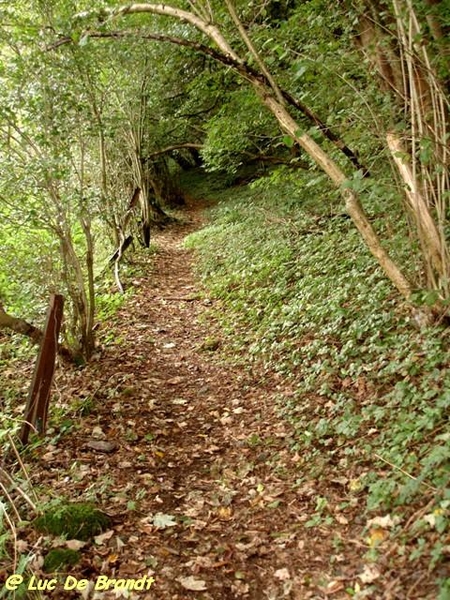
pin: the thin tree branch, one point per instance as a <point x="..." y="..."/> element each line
<point x="248" y="42"/>
<point x="243" y="69"/>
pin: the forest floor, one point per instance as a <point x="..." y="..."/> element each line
<point x="204" y="492"/>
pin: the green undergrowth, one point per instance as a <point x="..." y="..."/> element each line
<point x="297" y="290"/>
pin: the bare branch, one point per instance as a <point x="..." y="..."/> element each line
<point x="210" y="30"/>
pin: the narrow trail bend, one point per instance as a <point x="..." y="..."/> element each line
<point x="199" y="444"/>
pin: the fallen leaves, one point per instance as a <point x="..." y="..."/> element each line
<point x="75" y="544"/>
<point x="376" y="537"/>
<point x="378" y="529"/>
<point x="225" y="513"/>
<point x="103" y="537"/>
<point x="175" y="380"/>
<point x="282" y="574"/>
<point x="101" y="446"/>
<point x="370" y="574"/>
<point x="192" y="584"/>
<point x="163" y="521"/>
<point x="386" y="522"/>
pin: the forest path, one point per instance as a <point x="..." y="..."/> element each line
<point x="218" y="500"/>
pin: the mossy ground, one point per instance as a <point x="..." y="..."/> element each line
<point x="72" y="520"/>
<point x="59" y="559"/>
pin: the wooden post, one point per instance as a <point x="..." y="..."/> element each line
<point x="39" y="394"/>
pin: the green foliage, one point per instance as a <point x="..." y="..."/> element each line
<point x="22" y="568"/>
<point x="108" y="304"/>
<point x="241" y="128"/>
<point x="297" y="290"/>
<point x="24" y="284"/>
<point x="4" y="533"/>
<point x="444" y="590"/>
<point x="73" y="520"/>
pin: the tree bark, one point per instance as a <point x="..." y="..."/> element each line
<point x="210" y="30"/>
<point x="352" y="202"/>
<point x="20" y="326"/>
<point x="434" y="247"/>
<point x="27" y="329"/>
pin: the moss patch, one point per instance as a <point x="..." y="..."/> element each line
<point x="73" y="520"/>
<point x="60" y="558"/>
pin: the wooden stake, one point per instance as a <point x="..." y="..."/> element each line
<point x="39" y="394"/>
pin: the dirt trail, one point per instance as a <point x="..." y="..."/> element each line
<point x="200" y="444"/>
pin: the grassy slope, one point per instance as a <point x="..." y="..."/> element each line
<point x="299" y="291"/>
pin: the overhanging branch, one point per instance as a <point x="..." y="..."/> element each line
<point x="245" y="70"/>
<point x="210" y="30"/>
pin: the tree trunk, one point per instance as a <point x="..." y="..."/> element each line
<point x="352" y="202"/>
<point x="434" y="247"/>
<point x="35" y="334"/>
<point x="19" y="326"/>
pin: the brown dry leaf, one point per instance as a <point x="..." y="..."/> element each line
<point x="202" y="562"/>
<point x="119" y="544"/>
<point x="282" y="574"/>
<point x="101" y="446"/>
<point x="386" y="522"/>
<point x="37" y="562"/>
<point x="103" y="537"/>
<point x="75" y="544"/>
<point x="49" y="456"/>
<point x="112" y="558"/>
<point x="98" y="433"/>
<point x="198" y="524"/>
<point x="225" y="513"/>
<point x="333" y="587"/>
<point x="212" y="449"/>
<point x="175" y="381"/>
<point x="192" y="584"/>
<point x="341" y="519"/>
<point x="86" y="594"/>
<point x="21" y="546"/>
<point x="369" y="574"/>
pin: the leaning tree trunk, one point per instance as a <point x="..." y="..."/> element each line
<point x="352" y="202"/>
<point x="21" y="326"/>
<point x="404" y="52"/>
<point x="33" y="333"/>
<point x="268" y="91"/>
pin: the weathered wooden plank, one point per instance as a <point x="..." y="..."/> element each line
<point x="39" y="394"/>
